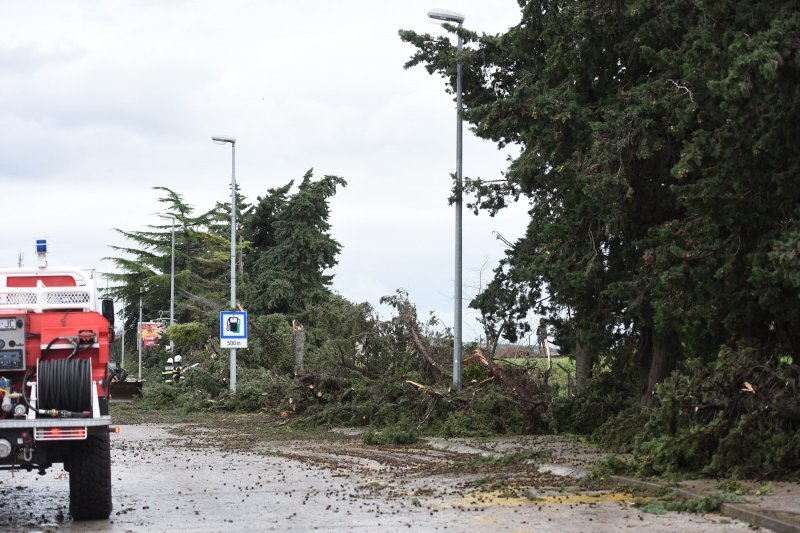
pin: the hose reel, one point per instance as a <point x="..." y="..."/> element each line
<point x="65" y="385"/>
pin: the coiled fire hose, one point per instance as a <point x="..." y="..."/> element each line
<point x="65" y="385"/>
<point x="63" y="388"/>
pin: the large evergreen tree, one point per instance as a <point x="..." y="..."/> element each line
<point x="658" y="150"/>
<point x="292" y="247"/>
<point x="143" y="267"/>
<point x="202" y="263"/>
<point x="285" y="254"/>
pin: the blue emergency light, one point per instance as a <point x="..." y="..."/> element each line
<point x="41" y="246"/>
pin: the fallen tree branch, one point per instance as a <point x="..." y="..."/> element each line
<point x="520" y="391"/>
<point x="482" y="382"/>
<point x="210" y="347"/>
<point x="425" y="388"/>
<point x="437" y="372"/>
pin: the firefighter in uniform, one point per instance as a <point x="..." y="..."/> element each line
<point x="168" y="371"/>
<point x="177" y="369"/>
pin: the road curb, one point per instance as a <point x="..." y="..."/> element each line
<point x="727" y="509"/>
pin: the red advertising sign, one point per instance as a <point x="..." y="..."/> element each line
<point x="151" y="333"/>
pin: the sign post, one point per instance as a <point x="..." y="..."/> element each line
<point x="233" y="329"/>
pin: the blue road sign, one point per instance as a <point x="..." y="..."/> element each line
<point x="233" y="329"/>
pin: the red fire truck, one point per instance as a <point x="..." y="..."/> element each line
<point x="54" y="353"/>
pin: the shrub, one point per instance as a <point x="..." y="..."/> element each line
<point x="189" y="336"/>
<point x="708" y="420"/>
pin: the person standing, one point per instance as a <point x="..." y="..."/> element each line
<point x="177" y="369"/>
<point x="541" y="337"/>
<point x="168" y="372"/>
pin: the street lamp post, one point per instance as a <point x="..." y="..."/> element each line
<point x="442" y="15"/>
<point x="171" y="279"/>
<point x="232" y="141"/>
<point x="139" y="336"/>
<point x="122" y="357"/>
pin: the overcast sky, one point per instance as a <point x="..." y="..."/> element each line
<point x="102" y="100"/>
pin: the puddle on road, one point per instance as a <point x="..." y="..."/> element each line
<point x="563" y="470"/>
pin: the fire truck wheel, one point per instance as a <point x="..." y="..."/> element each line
<point x="90" y="479"/>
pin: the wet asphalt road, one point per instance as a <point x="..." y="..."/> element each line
<point x="164" y="482"/>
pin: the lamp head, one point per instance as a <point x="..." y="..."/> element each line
<point x="444" y="15"/>
<point x="221" y="139"/>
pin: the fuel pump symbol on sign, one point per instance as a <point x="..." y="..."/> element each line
<point x="233" y="324"/>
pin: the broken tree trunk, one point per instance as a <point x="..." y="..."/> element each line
<point x="522" y="393"/>
<point x="324" y="387"/>
<point x="299" y="346"/>
<point x="661" y="364"/>
<point x="436" y="371"/>
<point x="424" y="388"/>
<point x="583" y="366"/>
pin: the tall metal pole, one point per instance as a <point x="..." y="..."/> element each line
<point x="438" y="16"/>
<point x="139" y="336"/>
<point x="172" y="284"/>
<point x="122" y="357"/>
<point x="232" y="141"/>
<point x="458" y="266"/>
<point x="233" y="256"/>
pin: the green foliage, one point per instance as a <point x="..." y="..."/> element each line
<point x="731" y="491"/>
<point x="611" y="465"/>
<point x="372" y="438"/>
<point x="344" y="338"/>
<point x="732" y="418"/>
<point x="504" y="304"/>
<point x="259" y="388"/>
<point x="709" y="504"/>
<point x="764" y="490"/>
<point x="288" y="247"/>
<point x="499" y="411"/>
<point x="619" y="432"/>
<point x="202" y="262"/>
<point x="490" y="410"/>
<point x="293" y="247"/>
<point x="271" y="338"/>
<point x="464" y="424"/>
<point x="474" y="374"/>
<point x="160" y="394"/>
<point x="189" y="336"/>
<point x="602" y="399"/>
<point x="658" y="151"/>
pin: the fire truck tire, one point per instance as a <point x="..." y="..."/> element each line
<point x="90" y="479"/>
